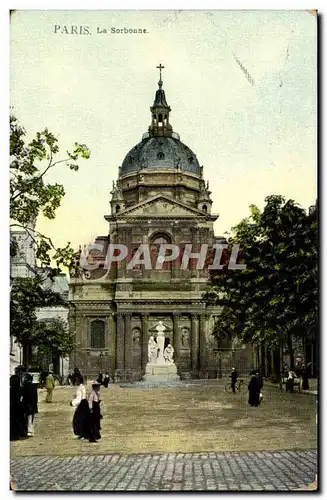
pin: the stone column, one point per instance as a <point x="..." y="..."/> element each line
<point x="195" y="341"/>
<point x="120" y="341"/>
<point x="112" y="337"/>
<point x="128" y="342"/>
<point x="176" y="339"/>
<point x="202" y="341"/>
<point x="144" y="341"/>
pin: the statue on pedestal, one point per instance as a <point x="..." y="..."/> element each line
<point x="161" y="343"/>
<point x="168" y="354"/>
<point x="152" y="350"/>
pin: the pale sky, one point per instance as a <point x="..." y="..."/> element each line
<point x="253" y="141"/>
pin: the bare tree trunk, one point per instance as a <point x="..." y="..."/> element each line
<point x="290" y="350"/>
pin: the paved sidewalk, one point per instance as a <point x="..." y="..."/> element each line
<point x="265" y="471"/>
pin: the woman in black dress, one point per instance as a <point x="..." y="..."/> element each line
<point x="254" y="391"/>
<point x="30" y="400"/>
<point x="81" y="419"/>
<point x="18" y="420"/>
<point x="95" y="413"/>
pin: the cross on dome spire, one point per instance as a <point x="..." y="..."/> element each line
<point x="160" y="67"/>
<point x="160" y="110"/>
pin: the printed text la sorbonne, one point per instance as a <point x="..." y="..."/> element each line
<point x="86" y="30"/>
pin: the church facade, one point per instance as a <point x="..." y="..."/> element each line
<point x="160" y="197"/>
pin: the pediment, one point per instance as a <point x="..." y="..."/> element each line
<point x="161" y="206"/>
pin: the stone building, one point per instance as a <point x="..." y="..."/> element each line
<point x="160" y="197"/>
<point x="23" y="265"/>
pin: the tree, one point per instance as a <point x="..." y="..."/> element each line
<point x="53" y="338"/>
<point x="275" y="297"/>
<point x="28" y="294"/>
<point x="31" y="195"/>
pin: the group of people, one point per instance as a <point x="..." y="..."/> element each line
<point x="23" y="407"/>
<point x="103" y="379"/>
<point x="74" y="376"/>
<point x="24" y="403"/>
<point x="300" y="371"/>
<point x="87" y="416"/>
<point x="254" y="387"/>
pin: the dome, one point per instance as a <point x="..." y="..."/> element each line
<point x="160" y="153"/>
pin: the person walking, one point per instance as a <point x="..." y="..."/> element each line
<point x="30" y="400"/>
<point x="234" y="377"/>
<point x="254" y="391"/>
<point x="106" y="380"/>
<point x="260" y="380"/>
<point x="76" y="375"/>
<point x="18" y="422"/>
<point x="290" y="381"/>
<point x="95" y="417"/>
<point x="100" y="378"/>
<point x="49" y="385"/>
<point x="81" y="418"/>
<point x="305" y="377"/>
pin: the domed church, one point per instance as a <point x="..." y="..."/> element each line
<point x="160" y="196"/>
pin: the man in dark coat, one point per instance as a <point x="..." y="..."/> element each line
<point x="18" y="421"/>
<point x="305" y="377"/>
<point x="260" y="380"/>
<point x="30" y="400"/>
<point x="254" y="390"/>
<point x="233" y="376"/>
<point x="106" y="380"/>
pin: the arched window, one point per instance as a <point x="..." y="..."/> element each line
<point x="160" y="156"/>
<point x="158" y="240"/>
<point x="97" y="334"/>
<point x="117" y="208"/>
<point x="204" y="208"/>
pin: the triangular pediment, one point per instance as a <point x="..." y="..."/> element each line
<point x="161" y="205"/>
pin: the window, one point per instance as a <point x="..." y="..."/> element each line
<point x="160" y="156"/>
<point x="158" y="240"/>
<point x="117" y="208"/>
<point x="205" y="208"/>
<point x="191" y="159"/>
<point x="97" y="334"/>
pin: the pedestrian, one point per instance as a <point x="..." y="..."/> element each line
<point x="290" y="381"/>
<point x="76" y="375"/>
<point x="233" y="376"/>
<point x="95" y="417"/>
<point x="305" y="377"/>
<point x="70" y="378"/>
<point x="254" y="391"/>
<point x="260" y="380"/>
<point x="81" y="419"/>
<point x="18" y="421"/>
<point x="106" y="379"/>
<point x="49" y="385"/>
<point x="100" y="378"/>
<point x="30" y="400"/>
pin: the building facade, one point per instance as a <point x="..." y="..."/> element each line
<point x="23" y="265"/>
<point x="160" y="197"/>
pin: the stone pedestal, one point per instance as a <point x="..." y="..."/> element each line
<point x="160" y="372"/>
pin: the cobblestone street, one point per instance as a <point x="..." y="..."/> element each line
<point x="269" y="471"/>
